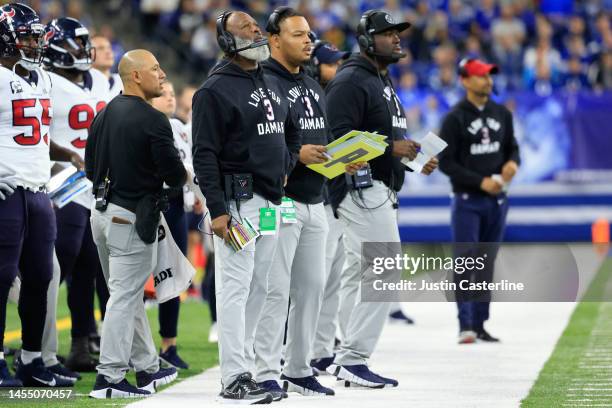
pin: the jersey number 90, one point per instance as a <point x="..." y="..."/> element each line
<point x="80" y="117"/>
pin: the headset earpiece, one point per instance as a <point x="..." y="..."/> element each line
<point x="272" y="26"/>
<point x="225" y="39"/>
<point x="364" y="38"/>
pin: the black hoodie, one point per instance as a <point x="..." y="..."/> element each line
<point x="360" y="98"/>
<point x="307" y="100"/>
<point x="479" y="143"/>
<point x="242" y="124"/>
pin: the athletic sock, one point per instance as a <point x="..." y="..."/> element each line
<point x="28" y="356"/>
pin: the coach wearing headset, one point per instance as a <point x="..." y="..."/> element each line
<point x="245" y="143"/>
<point x="363" y="98"/>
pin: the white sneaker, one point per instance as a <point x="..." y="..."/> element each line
<point x="213" y="334"/>
<point x="467" y="337"/>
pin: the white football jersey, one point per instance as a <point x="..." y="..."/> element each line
<point x="115" y="85"/>
<point x="182" y="141"/>
<point x="76" y="106"/>
<point x="25" y="117"/>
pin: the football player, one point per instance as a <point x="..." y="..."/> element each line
<point x="104" y="61"/>
<point x="78" y="94"/>
<point x="27" y="220"/>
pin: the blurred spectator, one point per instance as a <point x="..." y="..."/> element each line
<point x="486" y="12"/>
<point x="444" y="55"/>
<point x="575" y="77"/>
<point x="508" y="27"/>
<point x="151" y="10"/>
<point x="436" y="30"/>
<point x="542" y="62"/>
<point x="542" y="80"/>
<point x="460" y="17"/>
<point x="74" y="9"/>
<point x="600" y="72"/>
<point x="204" y="44"/>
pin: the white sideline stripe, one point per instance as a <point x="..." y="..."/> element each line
<point x="572" y="215"/>
<point x="433" y="371"/>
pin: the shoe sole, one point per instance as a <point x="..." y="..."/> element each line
<point x="288" y="386"/>
<point x="228" y="401"/>
<point x="470" y="340"/>
<point x="111" y="393"/>
<point x="351" y="379"/>
<point x="155" y="384"/>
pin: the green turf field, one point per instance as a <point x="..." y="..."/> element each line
<point x="579" y="371"/>
<point x="193" y="346"/>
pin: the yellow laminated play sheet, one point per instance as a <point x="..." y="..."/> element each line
<point x="356" y="146"/>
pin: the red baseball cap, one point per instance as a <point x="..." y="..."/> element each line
<point x="471" y="67"/>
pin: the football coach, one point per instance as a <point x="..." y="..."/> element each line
<point x="363" y="98"/>
<point x="481" y="159"/>
<point x="130" y="154"/>
<point x="245" y="144"/>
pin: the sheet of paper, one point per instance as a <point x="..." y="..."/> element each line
<point x="431" y="145"/>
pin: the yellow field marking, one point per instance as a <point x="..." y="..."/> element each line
<point x="61" y="324"/>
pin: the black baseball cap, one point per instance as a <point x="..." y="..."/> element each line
<point x="381" y="21"/>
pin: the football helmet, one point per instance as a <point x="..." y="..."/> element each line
<point x="21" y="35"/>
<point x="68" y="45"/>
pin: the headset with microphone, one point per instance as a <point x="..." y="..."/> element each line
<point x="227" y="41"/>
<point x="365" y="37"/>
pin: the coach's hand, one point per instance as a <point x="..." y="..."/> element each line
<point x="313" y="154"/>
<point x="352" y="168"/>
<point x="219" y="226"/>
<point x="509" y="170"/>
<point x="405" y="148"/>
<point x="490" y="186"/>
<point x="6" y="189"/>
<point x="430" y="166"/>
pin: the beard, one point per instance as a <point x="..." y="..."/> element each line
<point x="258" y="54"/>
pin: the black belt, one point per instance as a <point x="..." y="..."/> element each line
<point x="125" y="203"/>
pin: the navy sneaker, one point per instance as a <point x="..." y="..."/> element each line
<point x="103" y="389"/>
<point x="400" y="317"/>
<point x="320" y="365"/>
<point x="483" y="335"/>
<point x="150" y="382"/>
<point x="36" y="374"/>
<point x="389" y="382"/>
<point x="358" y="375"/>
<point x="308" y="386"/>
<point x="273" y="388"/>
<point x="6" y="379"/>
<point x="245" y="391"/>
<point x="62" y="372"/>
<point x="171" y="358"/>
